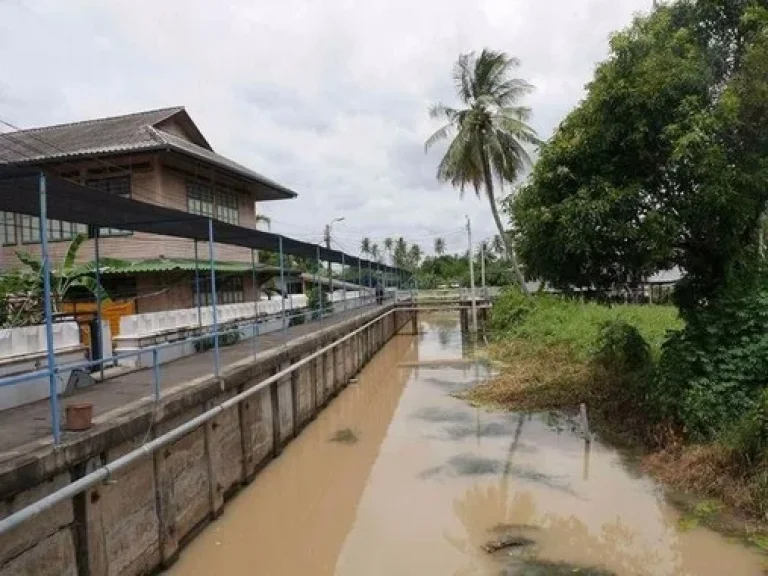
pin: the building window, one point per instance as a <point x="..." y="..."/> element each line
<point x="8" y="228"/>
<point x="226" y="208"/>
<point x="30" y="229"/>
<point x="58" y="230"/>
<point x="228" y="291"/>
<point x="199" y="199"/>
<point x="117" y="186"/>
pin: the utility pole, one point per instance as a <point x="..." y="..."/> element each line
<point x="482" y="270"/>
<point x="472" y="276"/>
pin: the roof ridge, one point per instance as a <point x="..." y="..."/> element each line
<point x="170" y="110"/>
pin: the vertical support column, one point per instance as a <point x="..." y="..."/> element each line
<point x="359" y="283"/>
<point x="317" y="284"/>
<point x="282" y="284"/>
<point x="319" y="289"/>
<point x="97" y="337"/>
<point x="343" y="286"/>
<point x="212" y="260"/>
<point x="482" y="270"/>
<point x="370" y="277"/>
<point x="255" y="329"/>
<point x="54" y="400"/>
<point x="197" y="289"/>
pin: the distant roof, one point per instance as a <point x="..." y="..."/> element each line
<point x="139" y="132"/>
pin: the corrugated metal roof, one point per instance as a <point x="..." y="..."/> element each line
<point x="139" y="132"/>
<point x="186" y="265"/>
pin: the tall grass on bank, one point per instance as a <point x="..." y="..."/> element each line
<point x="557" y="353"/>
<point x="545" y="321"/>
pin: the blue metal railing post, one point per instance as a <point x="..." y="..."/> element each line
<point x="156" y="371"/>
<point x="43" y="196"/>
<point x="197" y="288"/>
<point x="99" y="334"/>
<point x="282" y="284"/>
<point x="370" y="279"/>
<point x="343" y="285"/>
<point x="255" y="328"/>
<point x="319" y="289"/>
<point x="317" y="284"/>
<point x="359" y="283"/>
<point x="212" y="259"/>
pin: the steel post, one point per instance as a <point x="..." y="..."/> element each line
<point x="343" y="286"/>
<point x="211" y="258"/>
<point x="49" y="345"/>
<point x="282" y="284"/>
<point x="98" y="336"/>
<point x="197" y="288"/>
<point x="318" y="288"/>
<point x="255" y="328"/>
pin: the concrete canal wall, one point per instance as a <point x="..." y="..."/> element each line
<point x="137" y="522"/>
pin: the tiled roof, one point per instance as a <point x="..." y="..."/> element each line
<point x="88" y="138"/>
<point x="138" y="132"/>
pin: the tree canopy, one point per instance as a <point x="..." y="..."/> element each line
<point x="665" y="161"/>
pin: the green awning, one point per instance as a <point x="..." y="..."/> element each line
<point x="154" y="265"/>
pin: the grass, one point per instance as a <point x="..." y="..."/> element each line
<point x="546" y="321"/>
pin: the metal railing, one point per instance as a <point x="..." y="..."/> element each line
<point x="103" y="473"/>
<point x="210" y="332"/>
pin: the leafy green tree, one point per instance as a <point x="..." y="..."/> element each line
<point x="439" y="246"/>
<point x="489" y="132"/>
<point x="664" y="162"/>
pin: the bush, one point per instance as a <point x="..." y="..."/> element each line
<point x="624" y="357"/>
<point x="714" y="370"/>
<point x="228" y="339"/>
<point x="749" y="437"/>
<point x="314" y="298"/>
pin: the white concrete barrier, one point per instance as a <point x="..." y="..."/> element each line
<point x="24" y="350"/>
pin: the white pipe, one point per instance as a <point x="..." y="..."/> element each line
<point x="101" y="474"/>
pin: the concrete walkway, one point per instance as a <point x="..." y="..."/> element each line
<point x="32" y="422"/>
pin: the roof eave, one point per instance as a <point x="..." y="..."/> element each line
<point x="277" y="191"/>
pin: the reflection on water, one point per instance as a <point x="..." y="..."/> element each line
<point x="397" y="477"/>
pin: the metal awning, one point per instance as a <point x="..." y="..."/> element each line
<point x="72" y="202"/>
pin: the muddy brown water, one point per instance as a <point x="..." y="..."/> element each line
<point x="397" y="477"/>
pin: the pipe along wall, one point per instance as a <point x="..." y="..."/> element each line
<point x="137" y="521"/>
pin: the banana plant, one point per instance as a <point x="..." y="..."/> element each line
<point x="69" y="275"/>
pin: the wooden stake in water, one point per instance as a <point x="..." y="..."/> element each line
<point x="584" y="423"/>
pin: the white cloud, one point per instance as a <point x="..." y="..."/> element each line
<point x="327" y="97"/>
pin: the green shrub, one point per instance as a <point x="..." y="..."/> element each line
<point x="749" y="437"/>
<point x="713" y="371"/>
<point x="228" y="339"/>
<point x="297" y="319"/>
<point x="621" y="348"/>
<point x="314" y="298"/>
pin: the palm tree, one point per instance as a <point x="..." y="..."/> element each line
<point x="439" y="246"/>
<point x="388" y="244"/>
<point x="262" y="218"/>
<point x="400" y="253"/>
<point x="375" y="252"/>
<point x="414" y="255"/>
<point x="489" y="131"/>
<point x="365" y="246"/>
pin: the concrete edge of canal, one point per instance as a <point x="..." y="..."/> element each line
<point x="137" y="522"/>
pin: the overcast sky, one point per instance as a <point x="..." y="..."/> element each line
<point x="328" y="97"/>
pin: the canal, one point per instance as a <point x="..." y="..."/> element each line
<point x="398" y="477"/>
